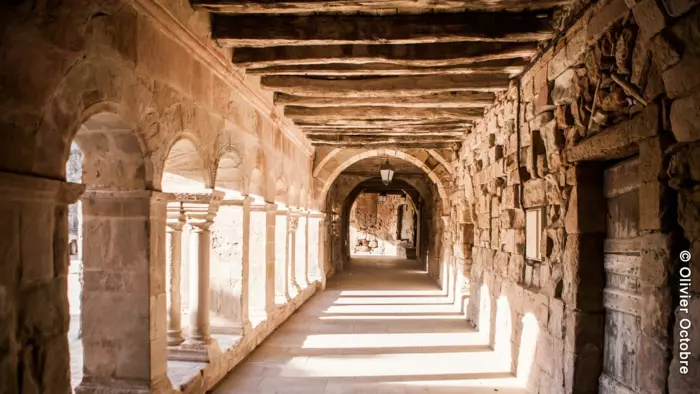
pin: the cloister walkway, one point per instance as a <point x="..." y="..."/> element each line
<point x="376" y="329"/>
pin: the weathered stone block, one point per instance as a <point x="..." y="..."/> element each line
<point x="584" y="276"/>
<point x="653" y="213"/>
<point x="564" y="92"/>
<point x="651" y="158"/>
<point x="650" y="18"/>
<point x="685" y="113"/>
<point x="534" y="193"/>
<point x="683" y="77"/>
<point x="656" y="260"/>
<point x="617" y="141"/>
<point x="656" y="313"/>
<point x="601" y="20"/>
<point x="677" y="8"/>
<point x="568" y="55"/>
<point x="665" y="54"/>
<point x="516" y="266"/>
<point x="556" y="321"/>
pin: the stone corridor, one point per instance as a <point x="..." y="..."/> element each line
<point x="331" y="196"/>
<point x="376" y="329"/>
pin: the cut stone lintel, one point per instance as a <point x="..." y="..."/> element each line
<point x="444" y="54"/>
<point x="438" y="100"/>
<point x="245" y="31"/>
<point x="308" y="6"/>
<point x="386" y="86"/>
<point x="617" y="141"/>
<point x="502" y="66"/>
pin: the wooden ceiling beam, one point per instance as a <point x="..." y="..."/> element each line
<point x="439" y="54"/>
<point x="276" y="30"/>
<point x="499" y="66"/>
<point x="368" y="6"/>
<point x="385" y="86"/>
<point x="381" y="124"/>
<point x="437" y="100"/>
<point x="407" y="135"/>
<point x="387" y="113"/>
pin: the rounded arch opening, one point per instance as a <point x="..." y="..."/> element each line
<point x="229" y="175"/>
<point x="184" y="169"/>
<point x="325" y="183"/>
<point x="107" y="157"/>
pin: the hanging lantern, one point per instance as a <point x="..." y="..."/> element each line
<point x="382" y="196"/>
<point x="387" y="173"/>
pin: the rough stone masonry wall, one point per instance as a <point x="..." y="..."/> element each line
<point x="371" y="219"/>
<point x="623" y="80"/>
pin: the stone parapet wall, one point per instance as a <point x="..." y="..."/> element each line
<point x="617" y="84"/>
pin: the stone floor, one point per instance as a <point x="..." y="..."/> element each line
<point x="378" y="328"/>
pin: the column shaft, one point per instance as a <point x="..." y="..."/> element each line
<point x="199" y="286"/>
<point x="175" y="297"/>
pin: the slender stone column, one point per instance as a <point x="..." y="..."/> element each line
<point x="270" y="219"/>
<point x="124" y="323"/>
<point x="200" y="210"/>
<point x="245" y="269"/>
<point x="281" y="257"/>
<point x="34" y="228"/>
<point x="175" y="222"/>
<point x="258" y="262"/>
<point x="316" y="227"/>
<point x="302" y="251"/>
<point x="293" y="223"/>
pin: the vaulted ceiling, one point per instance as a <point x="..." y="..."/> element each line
<point x="352" y="73"/>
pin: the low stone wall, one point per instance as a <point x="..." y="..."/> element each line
<point x="213" y="372"/>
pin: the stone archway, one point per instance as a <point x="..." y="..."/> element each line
<point x="329" y="169"/>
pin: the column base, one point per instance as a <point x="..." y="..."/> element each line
<point x="197" y="351"/>
<point x="117" y="386"/>
<point x="175" y="338"/>
<point x="294" y="289"/>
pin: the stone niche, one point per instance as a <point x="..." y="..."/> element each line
<point x="382" y="228"/>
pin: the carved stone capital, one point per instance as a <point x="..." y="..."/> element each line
<point x="176" y="218"/>
<point x="200" y="208"/>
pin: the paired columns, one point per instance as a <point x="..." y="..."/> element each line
<point x="199" y="211"/>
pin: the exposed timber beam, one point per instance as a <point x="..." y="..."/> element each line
<point x="385" y="86"/>
<point x="437" y="100"/>
<point x="367" y="6"/>
<point x="441" y="54"/>
<point x="391" y="144"/>
<point x="382" y="138"/>
<point x="499" y="66"/>
<point x="389" y="134"/>
<point x="374" y="131"/>
<point x="276" y="30"/>
<point x="388" y="113"/>
<point x="380" y="124"/>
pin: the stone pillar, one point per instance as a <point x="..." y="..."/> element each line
<point x="200" y="210"/>
<point x="302" y="254"/>
<point x="293" y="224"/>
<point x="124" y="325"/>
<point x="227" y="269"/>
<point x="281" y="257"/>
<point x="34" y="242"/>
<point x="271" y="221"/>
<point x="245" y="268"/>
<point x="316" y="227"/>
<point x="175" y="222"/>
<point x="257" y="259"/>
